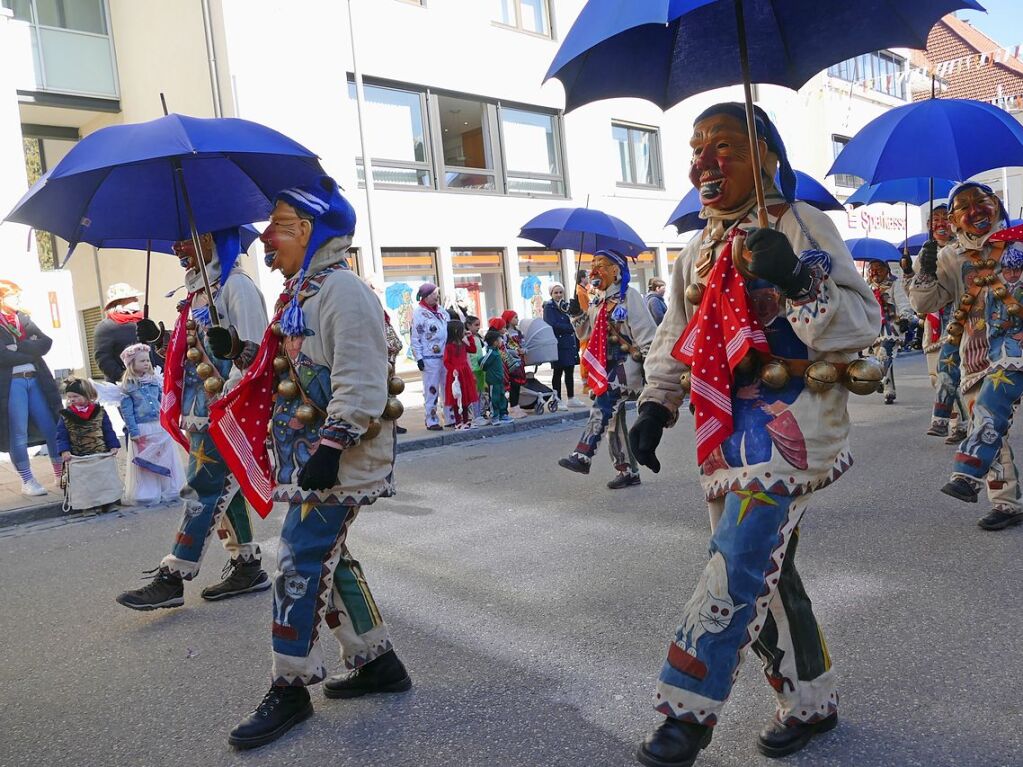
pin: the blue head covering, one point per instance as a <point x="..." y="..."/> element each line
<point x="621" y="311"/>
<point x="332" y="215"/>
<point x="982" y="187"/>
<point x="765" y="130"/>
<point x="229" y="247"/>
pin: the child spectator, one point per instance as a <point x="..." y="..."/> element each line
<point x="84" y="431"/>
<point x="474" y="345"/>
<point x="492" y="365"/>
<point x="153" y="474"/>
<point x="461" y="404"/>
<point x="513" y="361"/>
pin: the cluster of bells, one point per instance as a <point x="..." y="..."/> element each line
<point x="209" y="375"/>
<point x="309" y="414"/>
<point x="862" y="376"/>
<point x="625" y="346"/>
<point x="955" y="329"/>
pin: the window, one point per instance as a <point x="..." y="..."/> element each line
<point x="639" y="155"/>
<point x="465" y="137"/>
<point x="404" y="272"/>
<point x="531" y="152"/>
<point x="540" y="269"/>
<point x="525" y="15"/>
<point x="395" y="136"/>
<point x="844" y="179"/>
<point x="880" y="71"/>
<point x="479" y="282"/>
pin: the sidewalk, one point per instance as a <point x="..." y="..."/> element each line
<point x="16" y="509"/>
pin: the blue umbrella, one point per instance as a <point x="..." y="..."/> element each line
<point x="872" y="249"/>
<point x="583" y="230"/>
<point x="941" y="138"/>
<point x="247" y="235"/>
<point x="914" y="191"/>
<point x="686" y="217"/>
<point x="913" y="244"/>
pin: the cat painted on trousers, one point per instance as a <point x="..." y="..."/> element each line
<point x="289" y="586"/>
<point x="710" y="610"/>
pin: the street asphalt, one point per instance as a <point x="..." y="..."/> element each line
<point x="533" y="608"/>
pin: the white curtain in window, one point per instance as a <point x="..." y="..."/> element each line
<point x="641" y="142"/>
<point x="528" y="142"/>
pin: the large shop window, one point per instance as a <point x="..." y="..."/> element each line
<point x="396" y="137"/>
<point x="539" y="269"/>
<point x="404" y="272"/>
<point x="639" y="155"/>
<point x="532" y="16"/>
<point x="844" y="179"/>
<point x="479" y="282"/>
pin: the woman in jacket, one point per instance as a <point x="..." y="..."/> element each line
<point x="555" y="314"/>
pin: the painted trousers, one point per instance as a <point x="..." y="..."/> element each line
<point x="885" y="351"/>
<point x="319" y="585"/>
<point x="433" y="387"/>
<point x="948" y="402"/>
<point x="211" y="502"/>
<point x="749" y="595"/>
<point x="607" y="415"/>
<point x="985" y="452"/>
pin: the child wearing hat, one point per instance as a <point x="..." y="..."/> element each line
<point x="492" y="365"/>
<point x="84" y="430"/>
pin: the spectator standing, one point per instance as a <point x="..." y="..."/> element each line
<point x="514" y="361"/>
<point x="116" y="331"/>
<point x="555" y="314"/>
<point x="494" y="370"/>
<point x="429" y="336"/>
<point x="29" y="399"/>
<point x="655" y="299"/>
<point x="461" y="405"/>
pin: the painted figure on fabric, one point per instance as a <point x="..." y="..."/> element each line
<point x="882" y="283"/>
<point x="429" y="336"/>
<point x="763" y="331"/>
<point x="979" y="273"/>
<point x="320" y="385"/>
<point x="194" y="377"/>
<point x="618" y="331"/>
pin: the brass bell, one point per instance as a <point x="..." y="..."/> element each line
<point x="636" y="355"/>
<point x="775" y="374"/>
<point x="191" y="339"/>
<point x="978" y="281"/>
<point x="190" y="325"/>
<point x="960" y="316"/>
<point x="968" y="299"/>
<point x="307" y="414"/>
<point x="1000" y="292"/>
<point x="281" y="364"/>
<point x="625" y="346"/>
<point x="989" y="263"/>
<point x="277" y="330"/>
<point x="820" y="376"/>
<point x="613" y="337"/>
<point x="863" y="376"/>
<point x="194" y="355"/>
<point x="694" y="293"/>
<point x="686" y="380"/>
<point x="395" y="385"/>
<point x="390" y="370"/>
<point x="213" y="384"/>
<point x="747" y="364"/>
<point x="373" y="429"/>
<point x="955" y="330"/>
<point x="205" y="370"/>
<point x="1014" y="309"/>
<point x="990" y="279"/>
<point x="393" y="409"/>
<point x="287" y="389"/>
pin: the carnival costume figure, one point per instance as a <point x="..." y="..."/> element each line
<point x="320" y="385"/>
<point x="194" y="377"/>
<point x="882" y="283"/>
<point x="429" y="337"/>
<point x="980" y="271"/>
<point x="618" y="331"/>
<point x="767" y="345"/>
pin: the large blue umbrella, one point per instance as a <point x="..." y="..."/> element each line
<point x="667" y="50"/>
<point x="872" y="249"/>
<point x="686" y="216"/>
<point x="914" y="191"/>
<point x="940" y="138"/>
<point x="247" y="235"/>
<point x="583" y="230"/>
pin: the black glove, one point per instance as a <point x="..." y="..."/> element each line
<point x="645" y="434"/>
<point x="574" y="308"/>
<point x="775" y="261"/>
<point x="320" y="471"/>
<point x="422" y="365"/>
<point x="907" y="266"/>
<point x="224" y="342"/>
<point x="928" y="262"/>
<point x="148" y="332"/>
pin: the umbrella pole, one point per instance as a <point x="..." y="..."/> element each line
<point x="751" y="126"/>
<point x="179" y="171"/>
<point x="149" y="263"/>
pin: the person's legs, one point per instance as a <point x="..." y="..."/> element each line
<point x="433" y="380"/>
<point x="513" y="393"/>
<point x="498" y="402"/>
<point x="45" y="421"/>
<point x="999" y="393"/>
<point x="569" y="381"/>
<point x="17" y="424"/>
<point x="621" y="451"/>
<point x="556" y="378"/>
<point x="603" y="410"/>
<point x="887" y="359"/>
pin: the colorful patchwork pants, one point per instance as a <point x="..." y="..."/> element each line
<point x="885" y="351"/>
<point x="433" y="387"/>
<point x="607" y="415"/>
<point x="319" y="585"/>
<point x="211" y="502"/>
<point x="985" y="452"/>
<point x="749" y="595"/>
<point x="948" y="402"/>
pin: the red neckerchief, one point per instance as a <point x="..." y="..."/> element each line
<point x="719" y="336"/>
<point x="470" y="342"/>
<point x="174" y="377"/>
<point x="595" y="355"/>
<point x="434" y="310"/>
<point x="124" y="318"/>
<point x="83" y="412"/>
<point x="12" y="323"/>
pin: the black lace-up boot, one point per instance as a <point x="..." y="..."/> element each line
<point x="165" y="590"/>
<point x="280" y="710"/>
<point x="238" y="578"/>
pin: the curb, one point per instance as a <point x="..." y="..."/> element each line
<point x="26" y="514"/>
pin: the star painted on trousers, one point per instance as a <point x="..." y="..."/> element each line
<point x="200" y="457"/>
<point x="947" y="361"/>
<point x="751" y="499"/>
<point x="307" y="507"/>
<point x="998" y="378"/>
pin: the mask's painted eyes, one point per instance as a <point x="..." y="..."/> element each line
<point x="723" y="145"/>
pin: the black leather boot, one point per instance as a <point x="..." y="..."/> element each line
<point x="961" y="490"/>
<point x="383" y="674"/>
<point x="239" y="578"/>
<point x="280" y="710"/>
<point x="674" y="744"/>
<point x="778" y="739"/>
<point x="574" y="463"/>
<point x="999" y="519"/>
<point x="625" y="479"/>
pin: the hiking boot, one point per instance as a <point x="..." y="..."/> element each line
<point x="280" y="710"/>
<point x="383" y="674"/>
<point x="165" y="590"/>
<point x="889" y="399"/>
<point x="779" y="739"/>
<point x="999" y="519"/>
<point x="956" y="436"/>
<point x="575" y="463"/>
<point x="674" y="744"/>
<point x="238" y="578"/>
<point x="960" y="489"/>
<point x="937" y="430"/>
<point x="625" y="479"/>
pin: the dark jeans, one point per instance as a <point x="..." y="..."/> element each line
<point x="513" y="393"/>
<point x="569" y="372"/>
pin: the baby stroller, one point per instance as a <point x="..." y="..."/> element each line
<point x="539" y="346"/>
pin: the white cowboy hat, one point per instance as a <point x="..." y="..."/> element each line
<point x="120" y="291"/>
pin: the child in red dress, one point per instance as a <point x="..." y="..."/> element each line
<point x="460" y="406"/>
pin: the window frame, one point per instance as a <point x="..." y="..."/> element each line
<point x="655" y="155"/>
<point x="437" y="140"/>
<point x="880" y="64"/>
<point x="559" y="152"/>
<point x="518" y="27"/>
<point x="842" y="178"/>
<point x="426" y="166"/>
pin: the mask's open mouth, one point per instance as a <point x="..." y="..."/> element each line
<point x="268" y="257"/>
<point x="711" y="186"/>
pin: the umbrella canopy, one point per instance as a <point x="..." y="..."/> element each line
<point x="121" y="182"/>
<point x="247" y="235"/>
<point x="395" y="294"/>
<point x="915" y="191"/>
<point x="913" y="244"/>
<point x="667" y="50"/>
<point x="871" y="249"/>
<point x="686" y="217"/>
<point x="943" y="138"/>
<point x="584" y="230"/>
